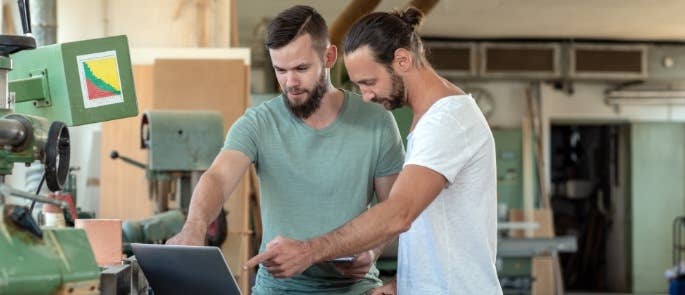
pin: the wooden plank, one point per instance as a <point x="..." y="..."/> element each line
<point x="202" y="85"/>
<point x="528" y="179"/>
<point x="546" y="269"/>
<point x="201" y="20"/>
<point x="234" y="23"/>
<point x="179" y="20"/>
<point x="542" y="216"/>
<point x="246" y="251"/>
<point x="533" y="100"/>
<point x="542" y="272"/>
<point x="123" y="188"/>
<point x="533" y="105"/>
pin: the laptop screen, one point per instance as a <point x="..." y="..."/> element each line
<point x="185" y="269"/>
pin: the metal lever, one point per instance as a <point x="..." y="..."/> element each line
<point x="23" y="219"/>
<point x="9" y="191"/>
<point x="115" y="155"/>
<point x="25" y="14"/>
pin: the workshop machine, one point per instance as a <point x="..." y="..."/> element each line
<point x="181" y="145"/>
<point x="42" y="91"/>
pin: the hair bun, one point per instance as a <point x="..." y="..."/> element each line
<point x="412" y="16"/>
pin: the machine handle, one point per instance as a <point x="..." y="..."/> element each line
<point x="115" y="155"/>
<point x="9" y="191"/>
<point x="25" y="14"/>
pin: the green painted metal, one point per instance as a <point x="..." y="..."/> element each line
<point x="28" y="155"/>
<point x="155" y="229"/>
<point x="516" y="267"/>
<point x="30" y="265"/>
<point x="508" y="147"/>
<point x="5" y="63"/>
<point x="35" y="87"/>
<point x="183" y="141"/>
<point x="658" y="196"/>
<point x="509" y="167"/>
<point x="64" y="79"/>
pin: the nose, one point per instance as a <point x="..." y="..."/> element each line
<point x="291" y="80"/>
<point x="367" y="95"/>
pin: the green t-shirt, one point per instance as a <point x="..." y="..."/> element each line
<point x="313" y="181"/>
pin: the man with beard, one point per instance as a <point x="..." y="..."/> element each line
<point x="444" y="201"/>
<point x="321" y="153"/>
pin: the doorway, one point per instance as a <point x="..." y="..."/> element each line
<point x="589" y="166"/>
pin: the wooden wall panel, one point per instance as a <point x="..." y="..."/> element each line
<point x="123" y="188"/>
<point x="178" y="84"/>
<point x="201" y="85"/>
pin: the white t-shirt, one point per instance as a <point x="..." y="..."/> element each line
<point x="451" y="247"/>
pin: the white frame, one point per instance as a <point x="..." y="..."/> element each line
<point x="472" y="57"/>
<point x="607" y="75"/>
<point x="554" y="74"/>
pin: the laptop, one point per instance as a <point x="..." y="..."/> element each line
<point x="174" y="270"/>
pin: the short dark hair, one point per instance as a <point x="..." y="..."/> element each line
<point x="294" y="22"/>
<point x="385" y="32"/>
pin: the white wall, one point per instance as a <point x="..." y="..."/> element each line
<point x="587" y="105"/>
<point x="163" y="23"/>
<point x="149" y="23"/>
<point x="80" y="20"/>
<point x="509" y="99"/>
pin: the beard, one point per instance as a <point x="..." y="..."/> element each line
<point x="397" y="97"/>
<point x="312" y="102"/>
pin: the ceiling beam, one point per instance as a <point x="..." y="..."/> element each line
<point x="354" y="10"/>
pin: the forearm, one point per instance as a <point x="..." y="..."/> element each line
<point x="205" y="202"/>
<point x="208" y="199"/>
<point x="371" y="230"/>
<point x="383" y="186"/>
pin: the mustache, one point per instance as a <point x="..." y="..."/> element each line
<point x="377" y="99"/>
<point x="291" y="90"/>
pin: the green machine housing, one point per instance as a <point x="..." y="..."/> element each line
<point x="60" y="261"/>
<point x="181" y="146"/>
<point x="77" y="83"/>
<point x="197" y="135"/>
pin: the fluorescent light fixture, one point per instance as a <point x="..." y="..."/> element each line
<point x="646" y="97"/>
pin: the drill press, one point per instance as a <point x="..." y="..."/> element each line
<point x="42" y="91"/>
<point x="181" y="145"/>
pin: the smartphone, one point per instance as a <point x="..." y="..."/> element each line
<point x="345" y="259"/>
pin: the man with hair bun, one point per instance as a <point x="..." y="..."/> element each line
<point x="443" y="204"/>
<point x="320" y="152"/>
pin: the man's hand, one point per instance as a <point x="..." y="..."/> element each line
<point x="360" y="267"/>
<point x="283" y="257"/>
<point x="390" y="288"/>
<point x="192" y="234"/>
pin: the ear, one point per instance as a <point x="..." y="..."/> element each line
<point x="402" y="61"/>
<point x="330" y="56"/>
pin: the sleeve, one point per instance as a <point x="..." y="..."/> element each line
<point x="441" y="143"/>
<point x="391" y="154"/>
<point x="243" y="136"/>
